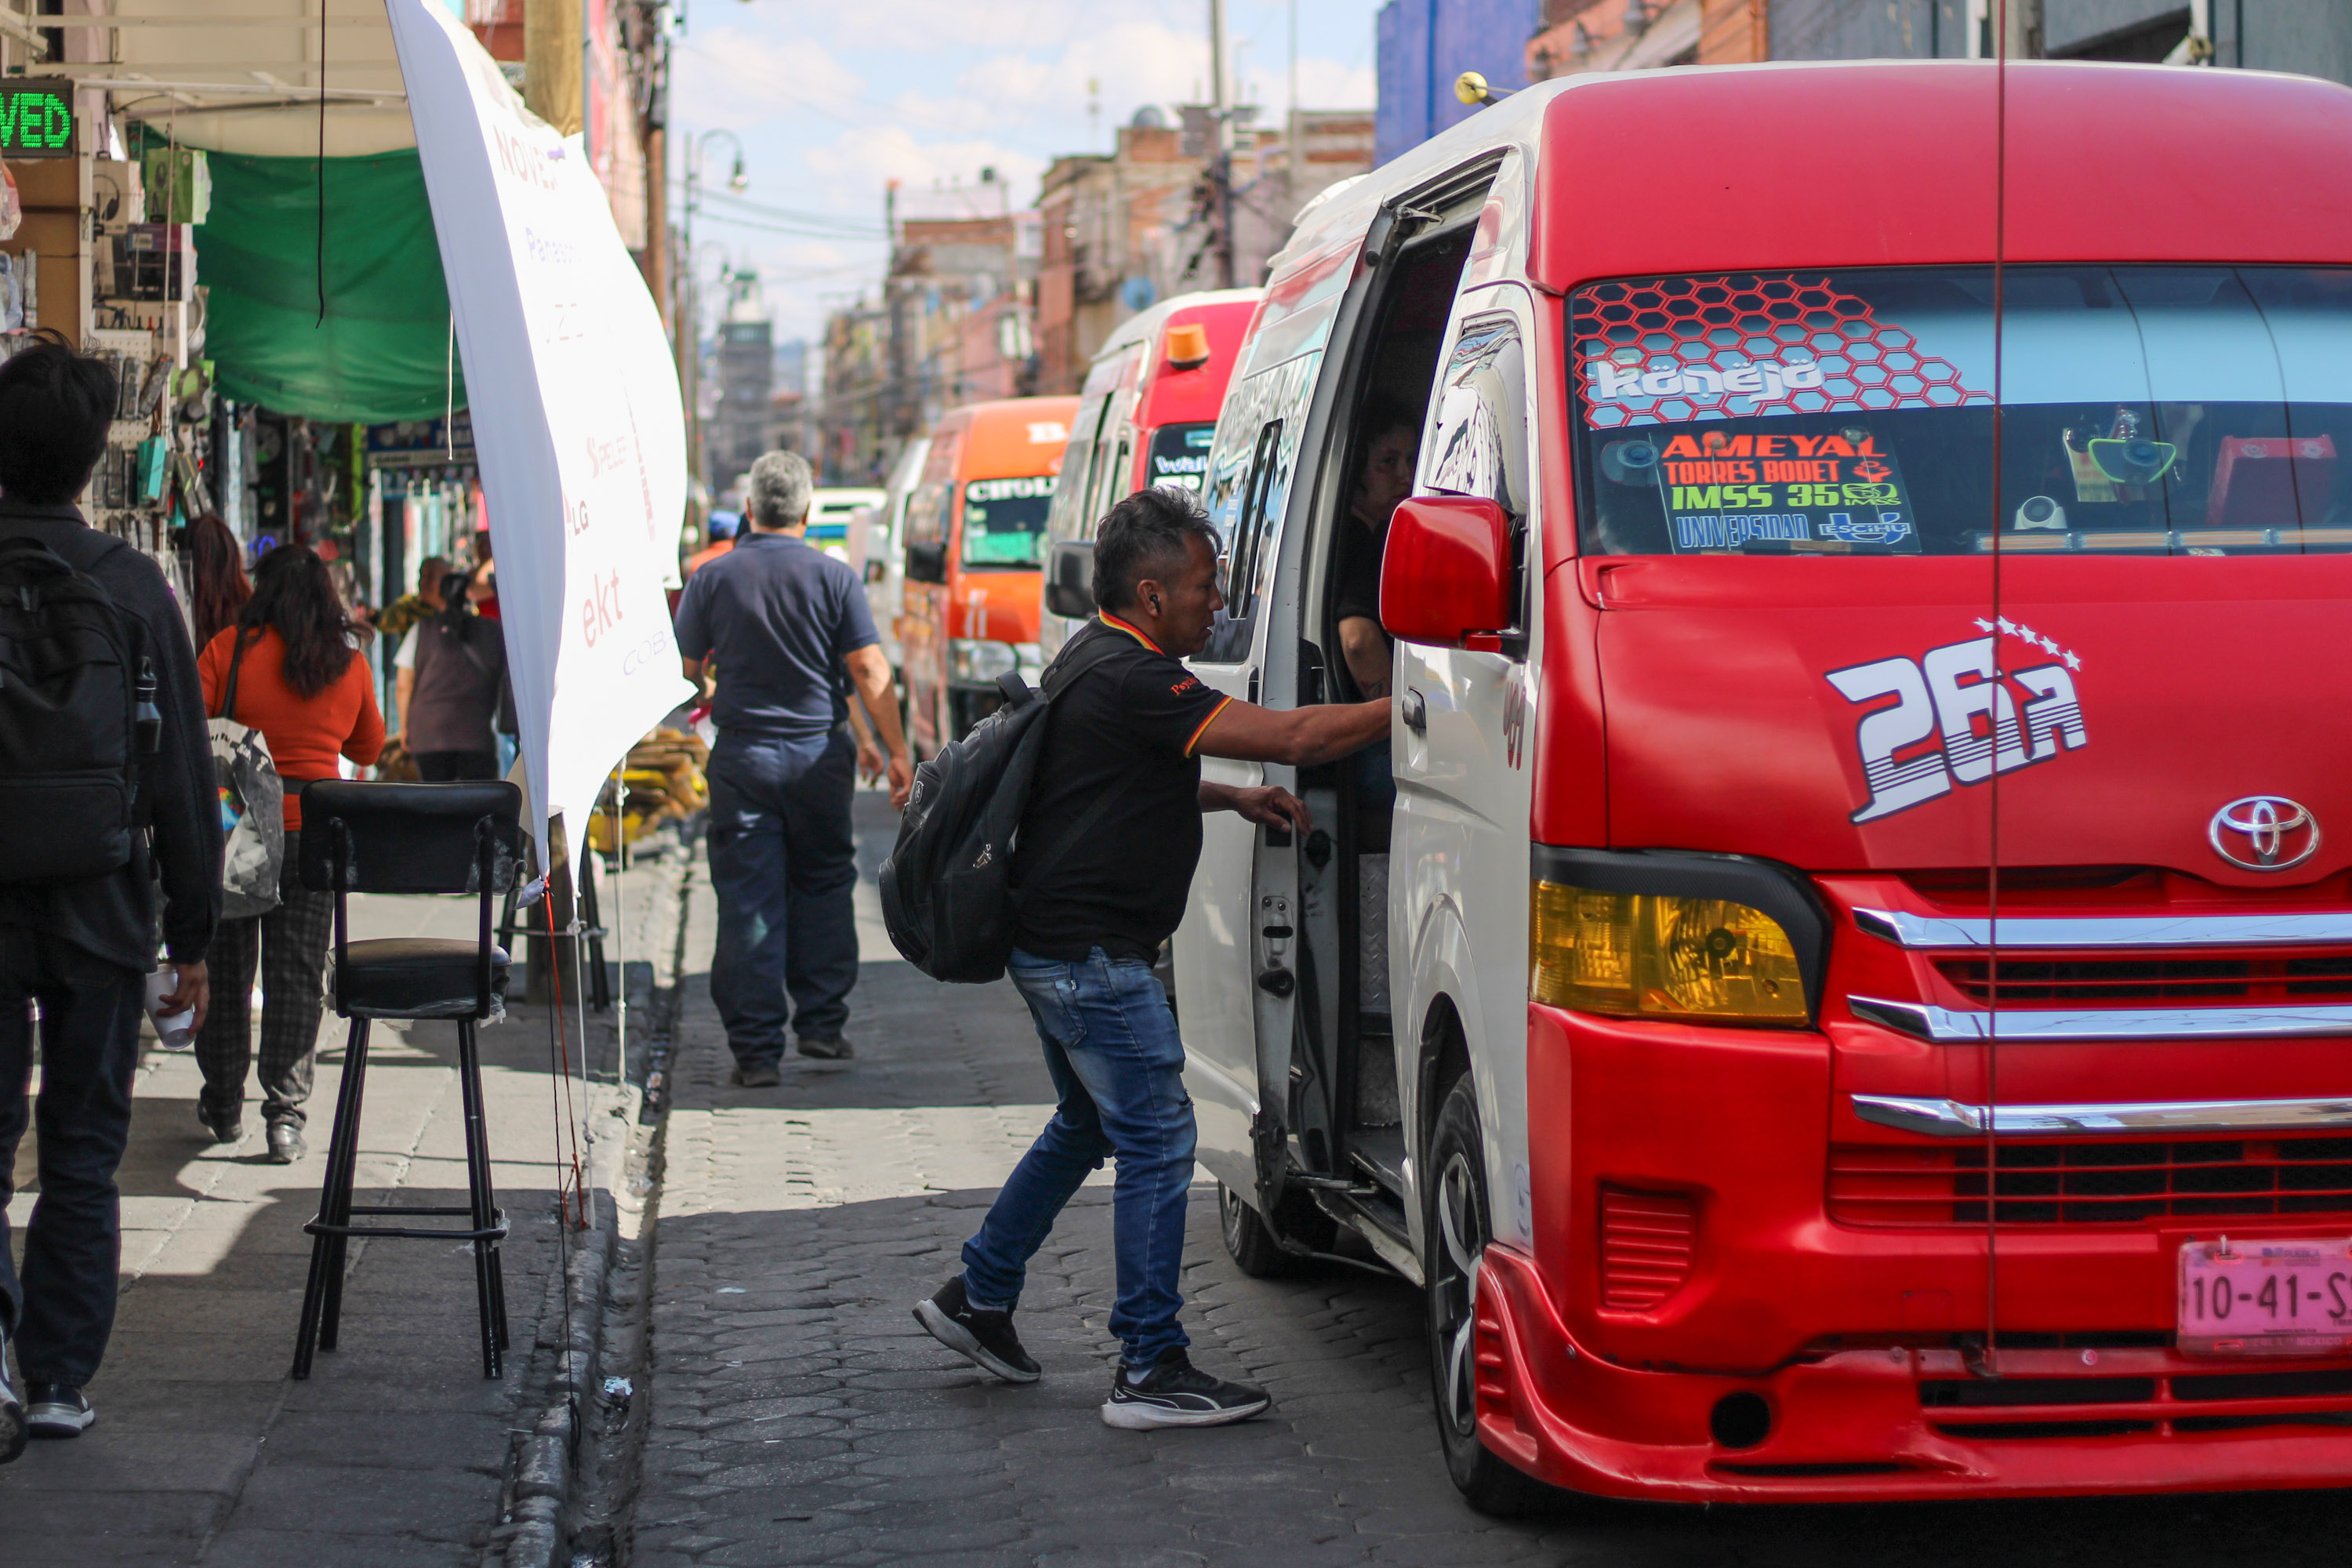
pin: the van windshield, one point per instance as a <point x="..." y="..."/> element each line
<point x="2148" y="411"/>
<point x="1004" y="521"/>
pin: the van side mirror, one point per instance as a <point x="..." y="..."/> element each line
<point x="1070" y="578"/>
<point x="1446" y="574"/>
<point x="926" y="563"/>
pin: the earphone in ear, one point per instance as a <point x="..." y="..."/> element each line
<point x="1155" y="604"/>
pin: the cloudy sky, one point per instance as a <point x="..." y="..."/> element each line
<point x="832" y="99"/>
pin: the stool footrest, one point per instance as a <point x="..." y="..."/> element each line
<point x="497" y="1232"/>
<point x="449" y="1211"/>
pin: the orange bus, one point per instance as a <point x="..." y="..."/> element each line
<point x="974" y="529"/>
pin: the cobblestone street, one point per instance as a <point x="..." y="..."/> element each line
<point x="799" y="1416"/>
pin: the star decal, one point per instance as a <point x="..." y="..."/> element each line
<point x="2042" y="642"/>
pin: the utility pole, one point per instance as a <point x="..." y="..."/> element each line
<point x="552" y="41"/>
<point x="657" y="232"/>
<point x="551" y="47"/>
<point x="1221" y="157"/>
<point x="1291" y="136"/>
<point x="2023" y="39"/>
<point x="898" y="416"/>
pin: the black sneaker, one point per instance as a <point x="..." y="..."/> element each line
<point x="1175" y="1393"/>
<point x="222" y="1129"/>
<point x="767" y="1076"/>
<point x="286" y="1144"/>
<point x="985" y="1338"/>
<point x="56" y="1410"/>
<point x="826" y="1047"/>
<point x="12" y="1411"/>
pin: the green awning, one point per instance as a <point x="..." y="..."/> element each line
<point x="381" y="352"/>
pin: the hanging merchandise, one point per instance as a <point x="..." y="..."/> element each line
<point x="25" y="276"/>
<point x="153" y="455"/>
<point x="179" y="185"/>
<point x="12" y="205"/>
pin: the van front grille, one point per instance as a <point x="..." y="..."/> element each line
<point x="2049" y="981"/>
<point x="2090" y="1181"/>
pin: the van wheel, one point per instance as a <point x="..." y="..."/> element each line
<point x="1248" y="1242"/>
<point x="1456" y="1236"/>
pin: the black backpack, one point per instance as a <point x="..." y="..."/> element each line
<point x="69" y="731"/>
<point x="947" y="894"/>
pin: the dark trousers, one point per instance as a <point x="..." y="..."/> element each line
<point x="291" y="942"/>
<point x="783" y="864"/>
<point x="62" y="1311"/>
<point x="448" y="768"/>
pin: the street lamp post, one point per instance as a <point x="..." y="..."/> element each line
<point x="690" y="338"/>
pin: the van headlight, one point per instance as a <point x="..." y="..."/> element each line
<point x="980" y="661"/>
<point x="1646" y="956"/>
<point x="1722" y="939"/>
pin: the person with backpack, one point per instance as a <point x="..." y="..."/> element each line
<point x="1109" y="837"/>
<point x="106" y="787"/>
<point x="289" y="669"/>
<point x="452" y="678"/>
<point x="791" y="631"/>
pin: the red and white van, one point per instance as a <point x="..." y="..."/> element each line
<point x="1145" y="418"/>
<point x="1865" y="720"/>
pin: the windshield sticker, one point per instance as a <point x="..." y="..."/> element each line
<point x="1733" y="347"/>
<point x="1832" y="492"/>
<point x="1954" y="718"/>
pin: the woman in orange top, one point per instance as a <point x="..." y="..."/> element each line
<point x="299" y="681"/>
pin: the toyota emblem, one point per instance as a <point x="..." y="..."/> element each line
<point x="2264" y="833"/>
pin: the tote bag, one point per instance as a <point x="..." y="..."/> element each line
<point x="252" y="806"/>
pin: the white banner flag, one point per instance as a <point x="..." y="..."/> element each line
<point x="578" y="427"/>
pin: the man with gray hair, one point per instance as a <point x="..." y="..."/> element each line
<point x="789" y="630"/>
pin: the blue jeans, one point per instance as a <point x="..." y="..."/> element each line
<point x="783" y="864"/>
<point x="1118" y="1069"/>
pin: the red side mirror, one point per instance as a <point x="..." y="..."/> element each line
<point x="1446" y="573"/>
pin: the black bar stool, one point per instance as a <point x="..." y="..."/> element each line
<point x="409" y="838"/>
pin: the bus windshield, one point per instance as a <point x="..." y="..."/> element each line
<point x="1004" y="521"/>
<point x="2146" y="410"/>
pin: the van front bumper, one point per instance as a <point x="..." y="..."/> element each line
<point x="1862" y="1343"/>
<point x="1851" y="1426"/>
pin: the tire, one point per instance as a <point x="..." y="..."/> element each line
<point x="1455" y="1235"/>
<point x="1248" y="1242"/>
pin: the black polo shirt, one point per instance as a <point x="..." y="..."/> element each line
<point x="1121" y="739"/>
<point x="780" y="615"/>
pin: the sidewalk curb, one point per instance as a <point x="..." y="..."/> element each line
<point x="549" y="1467"/>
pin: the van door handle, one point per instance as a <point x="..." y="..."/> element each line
<point x="1416" y="711"/>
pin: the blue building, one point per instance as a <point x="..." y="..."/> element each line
<point x="1423" y="44"/>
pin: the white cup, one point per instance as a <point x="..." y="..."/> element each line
<point x="174" y="1031"/>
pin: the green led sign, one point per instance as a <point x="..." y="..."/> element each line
<point x="36" y="120"/>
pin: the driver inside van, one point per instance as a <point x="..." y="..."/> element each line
<point x="1391" y="442"/>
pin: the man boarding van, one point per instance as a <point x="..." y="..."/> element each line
<point x="1840" y="985"/>
<point x="1146" y="416"/>
<point x="974" y="530"/>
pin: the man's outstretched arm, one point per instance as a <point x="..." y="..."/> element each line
<point x="1300" y="736"/>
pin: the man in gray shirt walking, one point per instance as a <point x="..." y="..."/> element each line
<point x="789" y="630"/>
